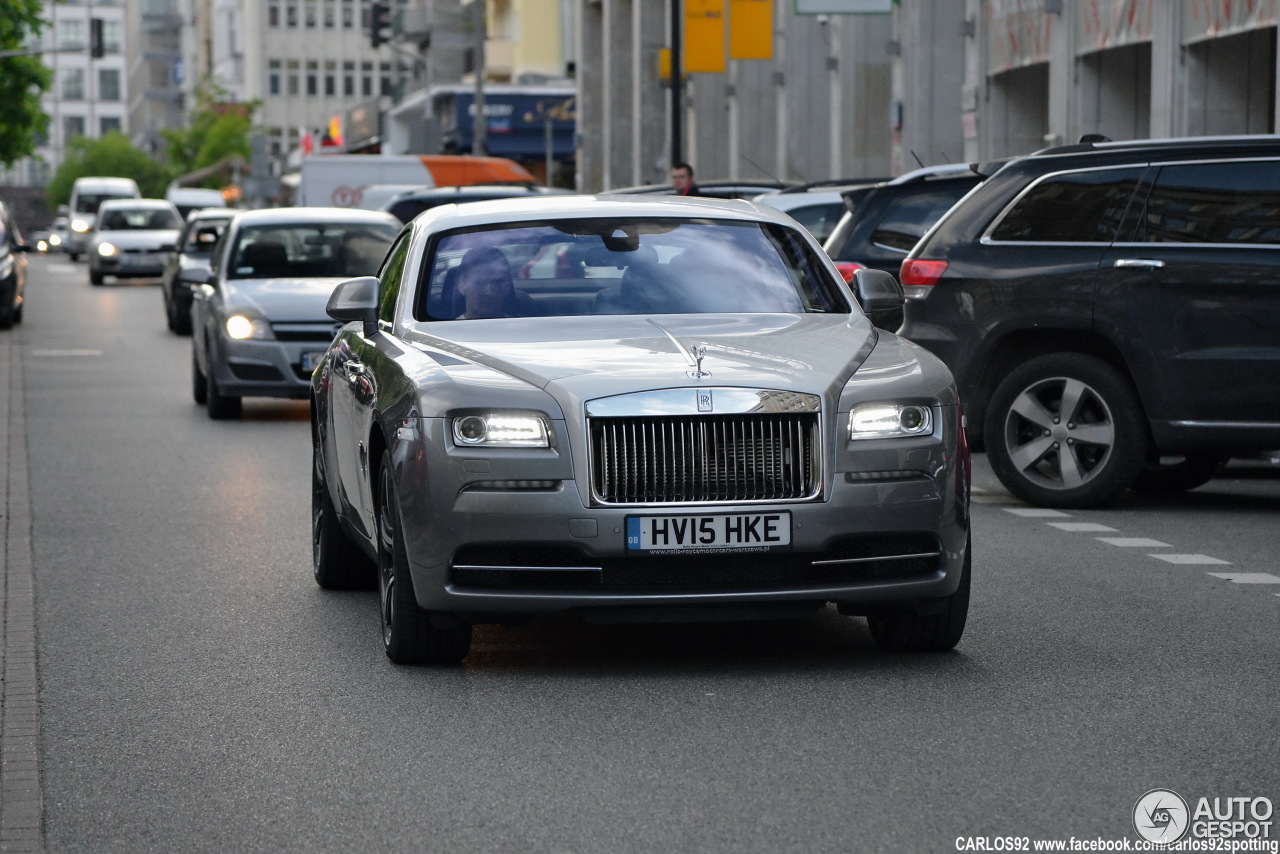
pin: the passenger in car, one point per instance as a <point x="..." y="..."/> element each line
<point x="484" y="281"/>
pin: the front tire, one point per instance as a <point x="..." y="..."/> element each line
<point x="1065" y="430"/>
<point x="199" y="382"/>
<point x="337" y="563"/>
<point x="408" y="634"/>
<point x="222" y="407"/>
<point x="95" y="278"/>
<point x="936" y="631"/>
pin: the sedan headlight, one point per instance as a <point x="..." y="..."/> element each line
<point x="79" y="225"/>
<point x="501" y="429"/>
<point x="889" y="421"/>
<point x="55" y="240"/>
<point x="242" y="325"/>
<point x="106" y="250"/>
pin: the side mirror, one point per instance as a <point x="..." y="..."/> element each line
<point x="881" y="297"/>
<point x="168" y="247"/>
<point x="356" y="299"/>
<point x="63" y="210"/>
<point x="196" y="274"/>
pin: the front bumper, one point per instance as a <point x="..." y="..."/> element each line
<point x="265" y="368"/>
<point x="478" y="548"/>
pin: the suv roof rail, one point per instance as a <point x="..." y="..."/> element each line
<point x="836" y="182"/>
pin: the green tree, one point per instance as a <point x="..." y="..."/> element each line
<point x="110" y="156"/>
<point x="218" y="128"/>
<point x="22" y="80"/>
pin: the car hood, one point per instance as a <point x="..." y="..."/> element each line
<point x="583" y="358"/>
<point x="299" y="299"/>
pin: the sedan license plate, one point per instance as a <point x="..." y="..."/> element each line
<point x="310" y="360"/>
<point x="719" y="533"/>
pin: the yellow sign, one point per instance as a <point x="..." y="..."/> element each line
<point x="751" y="29"/>
<point x="704" y="31"/>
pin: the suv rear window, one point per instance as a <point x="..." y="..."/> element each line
<point x="1076" y="207"/>
<point x="1234" y="202"/>
<point x="909" y="217"/>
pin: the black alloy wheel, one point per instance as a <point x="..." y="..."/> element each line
<point x="408" y="633"/>
<point x="1065" y="430"/>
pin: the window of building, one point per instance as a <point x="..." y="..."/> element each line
<point x="107" y="124"/>
<point x="366" y="79"/>
<point x="384" y="79"/>
<point x="330" y="78"/>
<point x="73" y="84"/>
<point x="111" y="36"/>
<point x="71" y="33"/>
<point x="329" y="16"/>
<point x="292" y="77"/>
<point x="72" y="126"/>
<point x="275" y="141"/>
<point x="291" y="15"/>
<point x="349" y="79"/>
<point x="273" y="15"/>
<point x="108" y="84"/>
<point x="309" y="14"/>
<point x="273" y="77"/>
<point x="348" y="15"/>
<point x="312" y="83"/>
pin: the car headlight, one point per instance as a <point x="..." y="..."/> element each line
<point x="79" y="225"/>
<point x="55" y="240"/>
<point x="243" y="326"/>
<point x="889" y="421"/>
<point x="106" y="250"/>
<point x="501" y="429"/>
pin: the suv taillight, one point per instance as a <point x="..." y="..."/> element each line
<point x="918" y="277"/>
<point x="848" y="268"/>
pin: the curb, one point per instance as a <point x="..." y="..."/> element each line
<point x="21" y="803"/>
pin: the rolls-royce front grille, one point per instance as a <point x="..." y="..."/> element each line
<point x="693" y="459"/>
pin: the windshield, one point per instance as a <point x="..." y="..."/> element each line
<point x="600" y="267"/>
<point x="139" y="219"/>
<point x="311" y="250"/>
<point x="90" y="202"/>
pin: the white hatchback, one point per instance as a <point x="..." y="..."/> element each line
<point x="132" y="238"/>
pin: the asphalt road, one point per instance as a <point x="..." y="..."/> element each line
<point x="198" y="692"/>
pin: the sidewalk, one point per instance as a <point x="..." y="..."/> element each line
<point x="21" y="807"/>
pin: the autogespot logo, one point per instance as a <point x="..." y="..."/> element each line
<point x="1161" y="816"/>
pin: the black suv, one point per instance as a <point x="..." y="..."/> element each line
<point x="1111" y="312"/>
<point x="883" y="220"/>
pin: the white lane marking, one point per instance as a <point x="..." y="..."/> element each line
<point x="1248" y="577"/>
<point x="1036" y="512"/>
<point x="1191" y="560"/>
<point x="1135" y="543"/>
<point x="976" y="489"/>
<point x="1080" y="526"/>
<point x="61" y="268"/>
<point x="66" y="352"/>
<point x="993" y="499"/>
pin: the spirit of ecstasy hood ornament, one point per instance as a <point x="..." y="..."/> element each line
<point x="692" y="355"/>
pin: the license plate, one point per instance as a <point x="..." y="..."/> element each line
<point x="728" y="532"/>
<point x="310" y="360"/>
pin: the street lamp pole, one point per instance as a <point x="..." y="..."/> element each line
<point x="479" y="125"/>
<point x="677" y="84"/>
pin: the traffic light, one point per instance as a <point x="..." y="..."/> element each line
<point x="379" y="23"/>
<point x="96" y="48"/>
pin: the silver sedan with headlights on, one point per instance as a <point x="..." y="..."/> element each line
<point x="258" y="324"/>
<point x="695" y="419"/>
<point x="132" y="238"/>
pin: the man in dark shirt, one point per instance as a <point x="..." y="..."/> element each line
<point x="682" y="180"/>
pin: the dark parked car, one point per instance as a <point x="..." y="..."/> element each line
<point x="882" y="221"/>
<point x="188" y="265"/>
<point x="406" y="206"/>
<point x="13" y="269"/>
<point x="1111" y="312"/>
